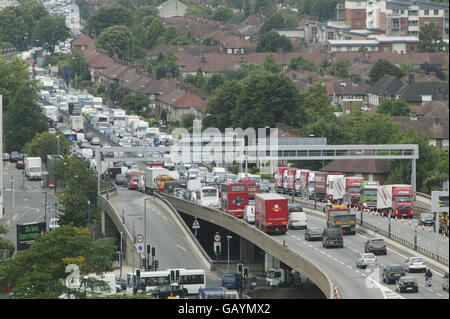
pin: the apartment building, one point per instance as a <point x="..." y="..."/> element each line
<point x="396" y="17"/>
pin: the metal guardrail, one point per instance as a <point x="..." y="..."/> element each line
<point x="259" y="238"/>
<point x="383" y="232"/>
<point x="423" y="195"/>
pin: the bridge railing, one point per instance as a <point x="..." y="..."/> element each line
<point x="280" y="251"/>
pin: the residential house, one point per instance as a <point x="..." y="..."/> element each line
<point x="235" y="45"/>
<point x="82" y="43"/>
<point x="432" y="120"/>
<point x="386" y="88"/>
<point x="369" y="169"/>
<point x="349" y="95"/>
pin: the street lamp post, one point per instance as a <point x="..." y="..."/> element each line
<point x="58" y="136"/>
<point x="228" y="241"/>
<point x="89" y="214"/>
<point x="145" y="226"/>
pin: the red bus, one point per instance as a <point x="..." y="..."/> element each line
<point x="234" y="198"/>
<point x="252" y="189"/>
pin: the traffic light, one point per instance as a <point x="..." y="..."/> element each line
<point x="217" y="250"/>
<point x="138" y="275"/>
<point x="172" y="276"/>
<point x="148" y="249"/>
<point x="239" y="268"/>
<point x="246" y="274"/>
<point x="156" y="265"/>
<point x="153" y="251"/>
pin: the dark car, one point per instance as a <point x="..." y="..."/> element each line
<point x="407" y="284"/>
<point x="332" y="237"/>
<point x="426" y="219"/>
<point x="22" y="156"/>
<point x="162" y="292"/>
<point x="392" y="273"/>
<point x="19" y="164"/>
<point x="375" y="246"/>
<point x="313" y="233"/>
<point x="295" y="207"/>
<point x="14" y="156"/>
<point x="120" y="179"/>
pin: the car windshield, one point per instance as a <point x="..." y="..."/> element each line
<point x="35" y="169"/>
<point x="408" y="279"/>
<point x="377" y="241"/>
<point x="368" y="256"/>
<point x="396" y="269"/>
<point x="315" y="230"/>
<point x="417" y="260"/>
<point x="427" y="216"/>
<point x="353" y="189"/>
<point x="369" y="192"/>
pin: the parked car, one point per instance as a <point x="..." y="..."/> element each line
<point x="14" y="156"/>
<point x="6" y="156"/>
<point x="332" y="237"/>
<point x="445" y="281"/>
<point x="415" y="264"/>
<point x="19" y="164"/>
<point x="121" y="284"/>
<point x="376" y="246"/>
<point x="313" y="233"/>
<point x="426" y="219"/>
<point x="405" y="284"/>
<point x="366" y="259"/>
<point x="392" y="273"/>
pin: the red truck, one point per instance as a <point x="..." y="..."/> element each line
<point x="280" y="172"/>
<point x="271" y="213"/>
<point x="324" y="185"/>
<point x="289" y="182"/>
<point x="301" y="181"/>
<point x="396" y="200"/>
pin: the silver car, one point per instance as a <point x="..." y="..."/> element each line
<point x="415" y="264"/>
<point x="366" y="259"/>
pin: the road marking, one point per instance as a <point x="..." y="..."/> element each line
<point x="180" y="247"/>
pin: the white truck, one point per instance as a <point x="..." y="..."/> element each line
<point x="208" y="195"/>
<point x="33" y="168"/>
<point x="76" y="123"/>
<point x="129" y="121"/>
<point x="150" y="175"/>
<point x="118" y="117"/>
<point x="50" y="112"/>
<point x="97" y="102"/>
<point x="195" y="186"/>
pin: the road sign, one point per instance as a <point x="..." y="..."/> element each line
<point x="217" y="237"/>
<point x="195" y="224"/>
<point x="140" y="248"/>
<point x="70" y="137"/>
<point x="140" y="238"/>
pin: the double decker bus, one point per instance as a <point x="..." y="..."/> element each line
<point x="252" y="189"/>
<point x="234" y="198"/>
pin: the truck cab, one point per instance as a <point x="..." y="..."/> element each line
<point x="368" y="196"/>
<point x="232" y="280"/>
<point x="279" y="277"/>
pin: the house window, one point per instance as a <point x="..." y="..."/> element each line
<point x="426" y="12"/>
<point x="386" y="49"/>
<point x="426" y="22"/>
<point x="370" y="177"/>
<point x="330" y="35"/>
<point x="436" y="12"/>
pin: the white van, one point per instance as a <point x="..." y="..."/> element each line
<point x="249" y="214"/>
<point x="297" y="220"/>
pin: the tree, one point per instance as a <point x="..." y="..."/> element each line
<point x="51" y="30"/>
<point x="272" y="42"/>
<point x="322" y="9"/>
<point x="272" y="96"/>
<point x="46" y="143"/>
<point x="316" y="103"/>
<point x="271" y="65"/>
<point x="430" y="39"/>
<point x="135" y="102"/>
<point x="276" y="21"/>
<point x="108" y="16"/>
<point x="117" y="41"/>
<point x="397" y="107"/>
<point x="40" y="271"/>
<point x="22" y="116"/>
<point x="81" y="187"/>
<point x="5" y="243"/>
<point x="155" y="33"/>
<point x="220" y="107"/>
<point x="223" y="14"/>
<point x="382" y="67"/>
<point x="339" y="68"/>
<point x="301" y="64"/>
<point x="12" y="28"/>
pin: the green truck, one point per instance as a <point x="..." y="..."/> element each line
<point x="368" y="195"/>
<point x="343" y="218"/>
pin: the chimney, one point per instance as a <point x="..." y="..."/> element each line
<point x="413" y="116"/>
<point x="411" y="78"/>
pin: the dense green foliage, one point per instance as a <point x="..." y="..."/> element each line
<point x="272" y="42"/>
<point x="430" y="39"/>
<point x="46" y="143"/>
<point x="22" y="116"/>
<point x="397" y="107"/>
<point x="382" y="67"/>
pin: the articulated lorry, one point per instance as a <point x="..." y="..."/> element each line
<point x="347" y="190"/>
<point x="280" y="173"/>
<point x="396" y="200"/>
<point x="368" y="195"/>
<point x="324" y="185"/>
<point x="151" y="173"/>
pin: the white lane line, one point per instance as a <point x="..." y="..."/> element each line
<point x="180" y="247"/>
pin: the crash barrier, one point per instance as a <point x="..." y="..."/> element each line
<point x="401" y="240"/>
<point x="260" y="239"/>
